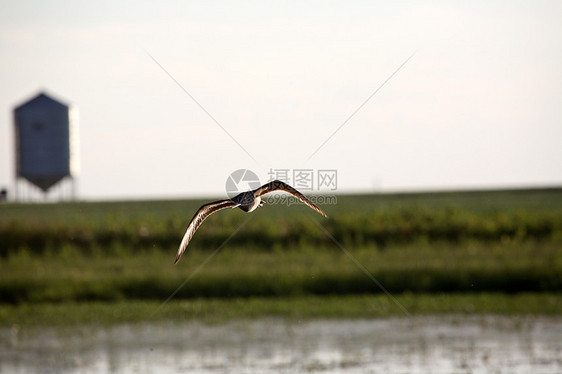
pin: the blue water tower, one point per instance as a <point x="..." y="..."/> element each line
<point x="46" y="132"/>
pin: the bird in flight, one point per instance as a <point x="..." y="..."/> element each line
<point x="247" y="201"/>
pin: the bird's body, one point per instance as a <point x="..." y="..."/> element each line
<point x="247" y="201"/>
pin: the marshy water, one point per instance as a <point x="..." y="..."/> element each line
<point x="424" y="344"/>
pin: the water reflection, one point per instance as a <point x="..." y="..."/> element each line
<point x="437" y="344"/>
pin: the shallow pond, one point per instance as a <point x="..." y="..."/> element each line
<point x="427" y="344"/>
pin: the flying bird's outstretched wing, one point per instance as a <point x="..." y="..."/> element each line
<point x="278" y="185"/>
<point x="203" y="212"/>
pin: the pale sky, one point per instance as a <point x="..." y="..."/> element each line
<point x="479" y="105"/>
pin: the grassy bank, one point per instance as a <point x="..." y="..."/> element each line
<point x="492" y="251"/>
<point x="70" y="275"/>
<point x="309" y="307"/>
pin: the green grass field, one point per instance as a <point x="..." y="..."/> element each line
<point x="373" y="220"/>
<point x="433" y="247"/>
<point x="238" y="272"/>
<point x="216" y="310"/>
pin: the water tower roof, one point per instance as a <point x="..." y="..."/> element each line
<point x="41" y="99"/>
